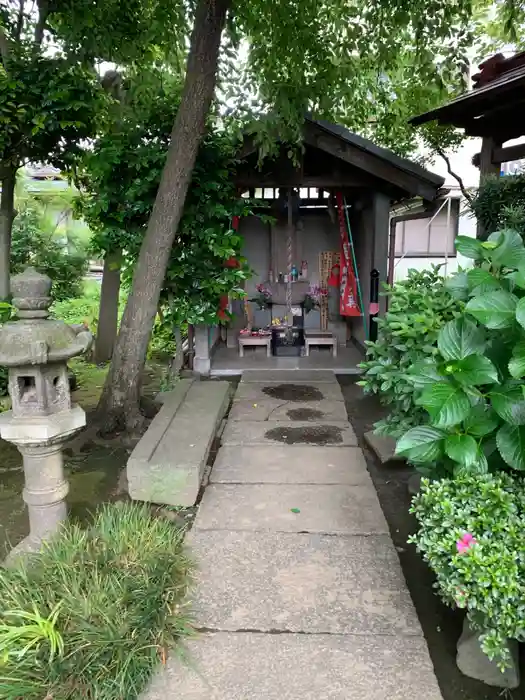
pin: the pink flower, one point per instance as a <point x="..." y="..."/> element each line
<point x="466" y="543"/>
<point x="461" y="598"/>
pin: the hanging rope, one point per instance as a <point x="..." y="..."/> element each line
<point x="289" y="316"/>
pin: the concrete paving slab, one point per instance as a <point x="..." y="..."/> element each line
<point x="252" y="666"/>
<point x="289" y="464"/>
<point x="288" y="433"/>
<point x="383" y="446"/>
<point x="316" y="584"/>
<point x="352" y="510"/>
<point x="294" y="375"/>
<point x="273" y="409"/>
<point x="302" y="392"/>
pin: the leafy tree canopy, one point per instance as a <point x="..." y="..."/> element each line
<point x="119" y="178"/>
<point x="48" y="105"/>
<point x="35" y="243"/>
<point x="366" y="65"/>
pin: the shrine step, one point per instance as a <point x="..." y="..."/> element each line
<point x="168" y="463"/>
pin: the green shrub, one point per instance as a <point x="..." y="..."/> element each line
<point x="473" y="389"/>
<point x="33" y="245"/>
<point x="471" y="533"/>
<point x="500" y="203"/>
<point x="83" y="309"/>
<point x="91" y="616"/>
<point x="162" y="341"/>
<point x="418" y="308"/>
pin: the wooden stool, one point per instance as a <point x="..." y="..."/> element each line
<point x="254" y="340"/>
<point x="319" y="338"/>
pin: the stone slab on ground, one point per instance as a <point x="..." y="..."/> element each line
<point x="383" y="446"/>
<point x="317" y="391"/>
<point x="293" y="375"/>
<point x="273" y="409"/>
<point x="352" y="510"/>
<point x="474" y="663"/>
<point x="316" y="584"/>
<point x="251" y="666"/>
<point x="177" y="394"/>
<point x="414" y="484"/>
<point x="168" y="463"/>
<point x="171" y="402"/>
<point x="289" y="464"/>
<point x="289" y="433"/>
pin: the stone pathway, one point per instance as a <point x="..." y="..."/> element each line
<point x="300" y="594"/>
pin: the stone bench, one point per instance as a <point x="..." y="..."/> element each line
<point x="255" y="340"/>
<point x="168" y="463"/>
<point x="319" y="338"/>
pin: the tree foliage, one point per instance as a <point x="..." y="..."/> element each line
<point x="355" y="63"/>
<point x="499" y="26"/>
<point x="51" y="96"/>
<point x="367" y="66"/>
<point x="48" y="105"/>
<point x="120" y="178"/>
<point x="35" y="245"/>
<point x="499" y="203"/>
<point x="135" y="32"/>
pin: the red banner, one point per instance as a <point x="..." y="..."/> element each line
<point x="348" y="303"/>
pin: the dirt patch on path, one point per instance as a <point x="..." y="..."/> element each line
<point x="316" y="435"/>
<point x="304" y="414"/>
<point x="293" y="392"/>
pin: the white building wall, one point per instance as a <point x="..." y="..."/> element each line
<point x="461" y="163"/>
<point x="413" y="235"/>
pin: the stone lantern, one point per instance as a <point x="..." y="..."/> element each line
<point x="36" y="351"/>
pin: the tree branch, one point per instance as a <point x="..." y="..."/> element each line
<point x="456" y="177"/>
<point x="43" y="14"/>
<point x="20" y="19"/>
<point x="4" y="45"/>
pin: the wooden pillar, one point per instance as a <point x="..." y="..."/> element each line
<point x="487" y="168"/>
<point x="486" y="164"/>
<point x="381" y="231"/>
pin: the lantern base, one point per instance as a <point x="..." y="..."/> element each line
<point x="35" y="430"/>
<point x="29" y="545"/>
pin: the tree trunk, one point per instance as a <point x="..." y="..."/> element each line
<point x="7" y="214"/>
<point x="178" y="359"/>
<point x="191" y="348"/>
<point x="108" y="310"/>
<point x="119" y="404"/>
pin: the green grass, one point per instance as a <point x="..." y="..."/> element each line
<point x="82" y="309"/>
<point x="93" y="614"/>
<point x="90" y="382"/>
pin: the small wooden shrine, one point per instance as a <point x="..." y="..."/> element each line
<point x="329" y="223"/>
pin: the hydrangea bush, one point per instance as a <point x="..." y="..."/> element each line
<point x="418" y="308"/>
<point x="473" y="388"/>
